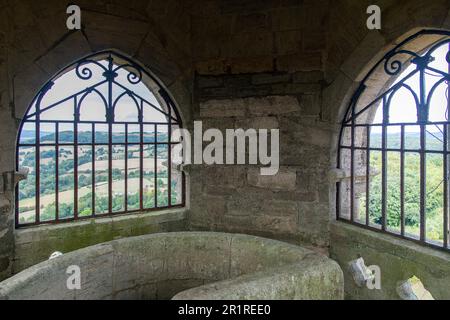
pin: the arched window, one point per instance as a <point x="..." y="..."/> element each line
<point x="97" y="141"/>
<point x="394" y="145"/>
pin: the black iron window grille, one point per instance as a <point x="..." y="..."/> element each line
<point x="394" y="148"/>
<point x="97" y="141"/>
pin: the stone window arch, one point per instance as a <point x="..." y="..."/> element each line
<point x="97" y="141"/>
<point x="394" y="148"/>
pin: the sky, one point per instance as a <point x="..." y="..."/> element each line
<point x="92" y="108"/>
<point x="403" y="105"/>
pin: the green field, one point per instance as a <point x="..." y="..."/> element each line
<point x="66" y="182"/>
<point x="434" y="186"/>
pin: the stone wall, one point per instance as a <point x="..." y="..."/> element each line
<point x="398" y="260"/>
<point x="259" y="64"/>
<point x="293" y="205"/>
<point x="286" y="64"/>
<point x="7" y="146"/>
<point x="35" y="44"/>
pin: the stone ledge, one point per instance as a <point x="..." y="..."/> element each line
<point x="305" y="280"/>
<point x="160" y="265"/>
<point x="403" y="248"/>
<point x="36" y="244"/>
<point x="398" y="260"/>
<point x="23" y="235"/>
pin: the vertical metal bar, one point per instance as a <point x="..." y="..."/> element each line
<point x="169" y="160"/>
<point x="384" y="166"/>
<point x="338" y="183"/>
<point x="352" y="168"/>
<point x="75" y="160"/>
<point x="422" y="120"/>
<point x="126" y="168"/>
<point x="155" y="156"/>
<point x="93" y="169"/>
<point x="38" y="160"/>
<point x="402" y="181"/>
<point x="423" y="184"/>
<point x="16" y="199"/>
<point x="110" y="118"/>
<point x="368" y="130"/>
<point x="446" y="168"/>
<point x="445" y="210"/>
<point x="183" y="189"/>
<point x="110" y="178"/>
<point x="141" y="160"/>
<point x="57" y="171"/>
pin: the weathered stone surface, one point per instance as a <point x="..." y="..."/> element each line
<point x="258" y="123"/>
<point x="283" y="284"/>
<point x="397" y="259"/>
<point x="104" y="31"/>
<point x="162" y="265"/>
<point x="272" y="105"/>
<point x="299" y="62"/>
<point x="288" y="42"/>
<point x="222" y="108"/>
<point x="308" y="77"/>
<point x="369" y="49"/>
<point x="286" y="64"/>
<point x="267" y="78"/>
<point x="72" y="47"/>
<point x="284" y="180"/>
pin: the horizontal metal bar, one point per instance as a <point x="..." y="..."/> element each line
<point x="73" y="96"/>
<point x="396" y="235"/>
<point x="106" y="215"/>
<point x="397" y="124"/>
<point x="396" y="150"/>
<point x="395" y="87"/>
<point x="102" y="122"/>
<point x="96" y="144"/>
<point x="146" y="101"/>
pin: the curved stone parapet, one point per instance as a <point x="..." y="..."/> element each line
<point x="186" y="265"/>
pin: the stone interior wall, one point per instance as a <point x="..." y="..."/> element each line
<point x="35" y="44"/>
<point x="287" y="64"/>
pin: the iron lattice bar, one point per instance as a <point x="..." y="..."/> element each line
<point x="110" y="67"/>
<point x="430" y="142"/>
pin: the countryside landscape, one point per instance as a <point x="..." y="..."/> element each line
<point x="93" y="161"/>
<point x="434" y="184"/>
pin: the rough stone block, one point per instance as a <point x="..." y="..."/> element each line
<point x="284" y="180"/>
<point x="287" y="19"/>
<point x="251" y="44"/>
<point x="311" y="104"/>
<point x="296" y="88"/>
<point x="314" y="42"/>
<point x="239" y="65"/>
<point x="258" y="123"/>
<point x="222" y="108"/>
<point x="253" y="22"/>
<point x="299" y="62"/>
<point x="209" y="82"/>
<point x="288" y="42"/>
<point x="308" y="77"/>
<point x="272" y="105"/>
<point x="271" y="78"/>
<point x="71" y="49"/>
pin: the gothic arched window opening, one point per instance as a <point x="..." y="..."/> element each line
<point x="97" y="141"/>
<point x="394" y="145"/>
